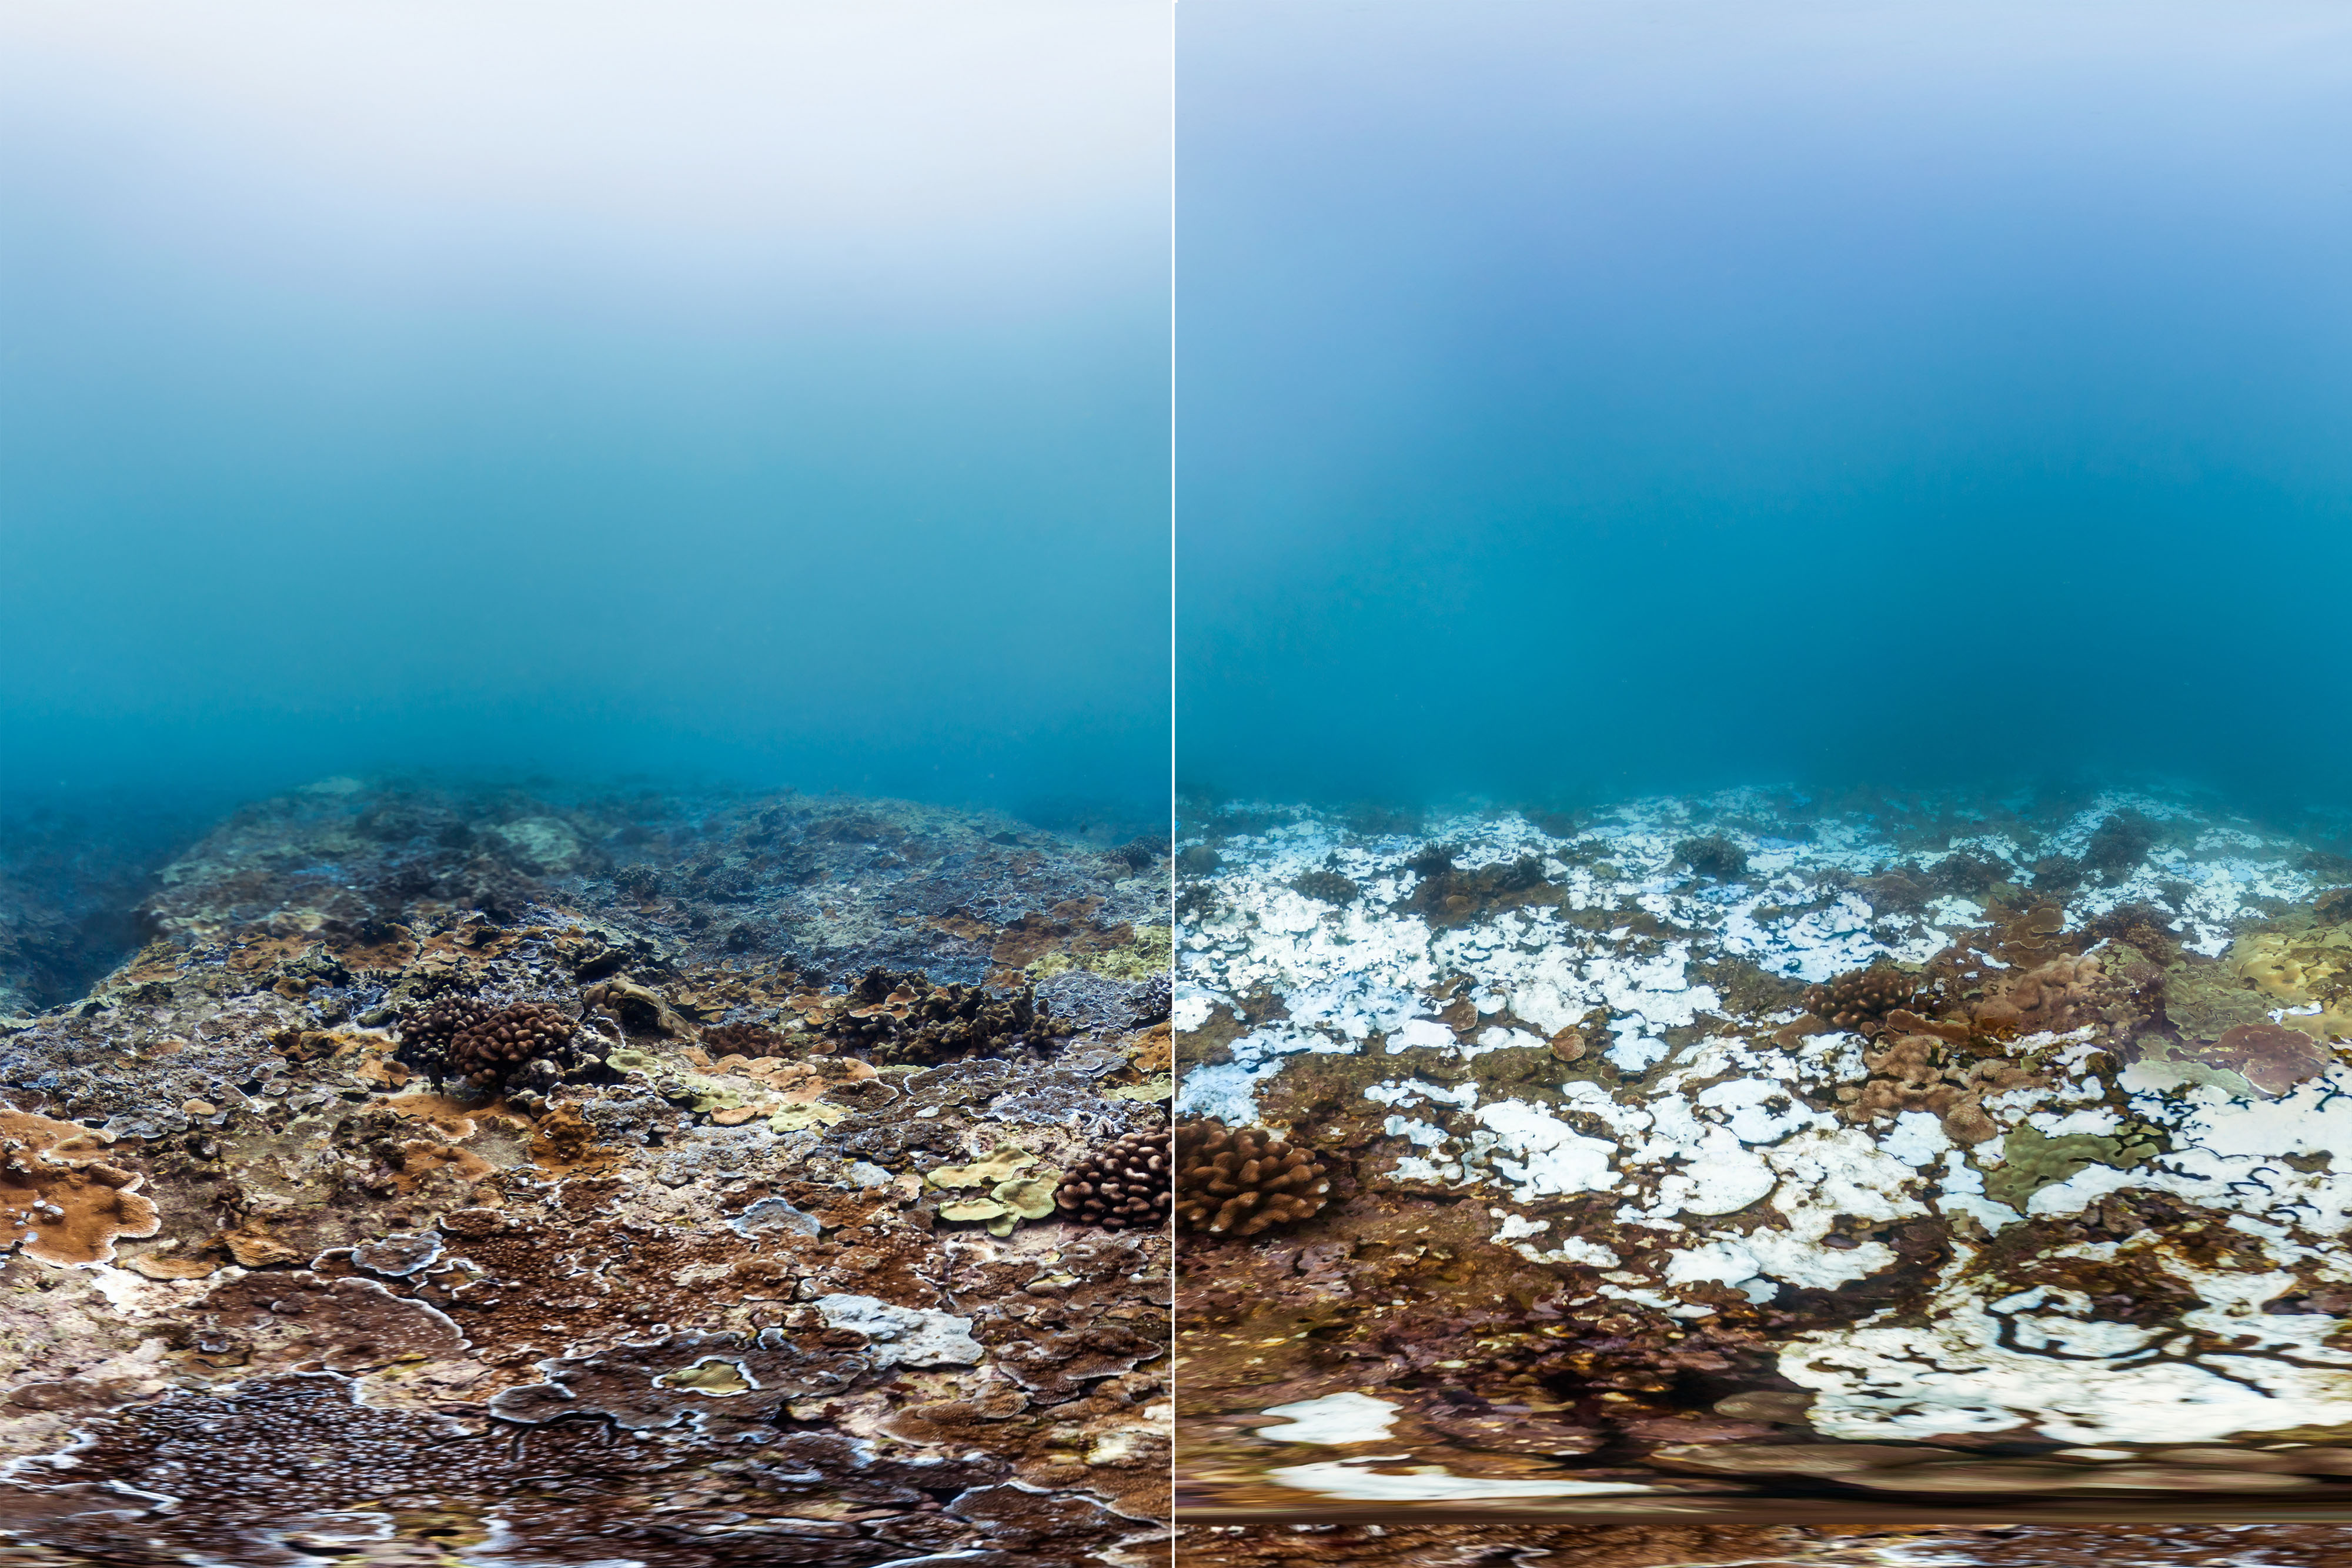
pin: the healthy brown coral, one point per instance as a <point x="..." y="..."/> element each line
<point x="1126" y="1184"/>
<point x="2063" y="994"/>
<point x="1240" y="1181"/>
<point x="486" y="1052"/>
<point x="748" y="1040"/>
<point x="1863" y="997"/>
<point x="425" y="1031"/>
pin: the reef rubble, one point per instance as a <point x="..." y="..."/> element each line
<point x="1922" y="1153"/>
<point x="487" y="1179"/>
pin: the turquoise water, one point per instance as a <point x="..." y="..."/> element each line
<point x="1579" y="399"/>
<point x="750" y="399"/>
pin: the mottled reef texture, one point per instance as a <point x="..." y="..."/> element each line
<point x="491" y="1180"/>
<point x="1764" y="1546"/>
<point x="1924" y="1157"/>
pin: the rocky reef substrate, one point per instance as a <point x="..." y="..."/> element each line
<point x="487" y="1179"/>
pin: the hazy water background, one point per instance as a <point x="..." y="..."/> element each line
<point x="1582" y="398"/>
<point x="770" y="393"/>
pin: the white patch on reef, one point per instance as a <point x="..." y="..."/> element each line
<point x="1722" y="1122"/>
<point x="904" y="1336"/>
<point x="1335" y="1418"/>
<point x="2069" y="1378"/>
<point x="1190" y="1008"/>
<point x="1413" y="1131"/>
<point x="1918" y="1139"/>
<point x="1227" y="1091"/>
<point x="1554" y="1157"/>
<point x="1344" y="1479"/>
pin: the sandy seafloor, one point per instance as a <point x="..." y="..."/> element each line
<point x="1620" y="1230"/>
<point x="748" y="1264"/>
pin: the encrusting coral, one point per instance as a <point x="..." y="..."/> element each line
<point x="1125" y="1184"/>
<point x="58" y="1202"/>
<point x="749" y="1039"/>
<point x="1241" y="1181"/>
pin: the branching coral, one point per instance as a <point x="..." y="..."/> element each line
<point x="1240" y="1181"/>
<point x="1124" y="1185"/>
<point x="1714" y="857"/>
<point x="484" y="1053"/>
<point x="425" y="1031"/>
<point x="1862" y="997"/>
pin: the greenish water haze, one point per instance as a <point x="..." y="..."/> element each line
<point x="1610" y="396"/>
<point x="768" y="392"/>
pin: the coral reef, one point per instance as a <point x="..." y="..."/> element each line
<point x="1126" y="1184"/>
<point x="436" y="1145"/>
<point x="1241" y="1181"/>
<point x="1714" y="857"/>
<point x="1791" y="1545"/>
<point x="904" y="1018"/>
<point x="1955" y="1149"/>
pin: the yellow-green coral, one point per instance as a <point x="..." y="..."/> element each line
<point x="676" y="1084"/>
<point x="1150" y="951"/>
<point x="2030" y="1162"/>
<point x="1011" y="1195"/>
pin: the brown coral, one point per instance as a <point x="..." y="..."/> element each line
<point x="2063" y="994"/>
<point x="1923" y="1072"/>
<point x="2271" y="1057"/>
<point x="1240" y="1181"/>
<point x="1121" y="1185"/>
<point x="1862" y="997"/>
<point x="68" y="1210"/>
<point x="749" y="1040"/>
<point x="426" y="1032"/>
<point x="484" y="1053"/>
<point x="902" y="1017"/>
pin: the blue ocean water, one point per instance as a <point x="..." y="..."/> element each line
<point x="744" y="396"/>
<point x="1584" y="398"/>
